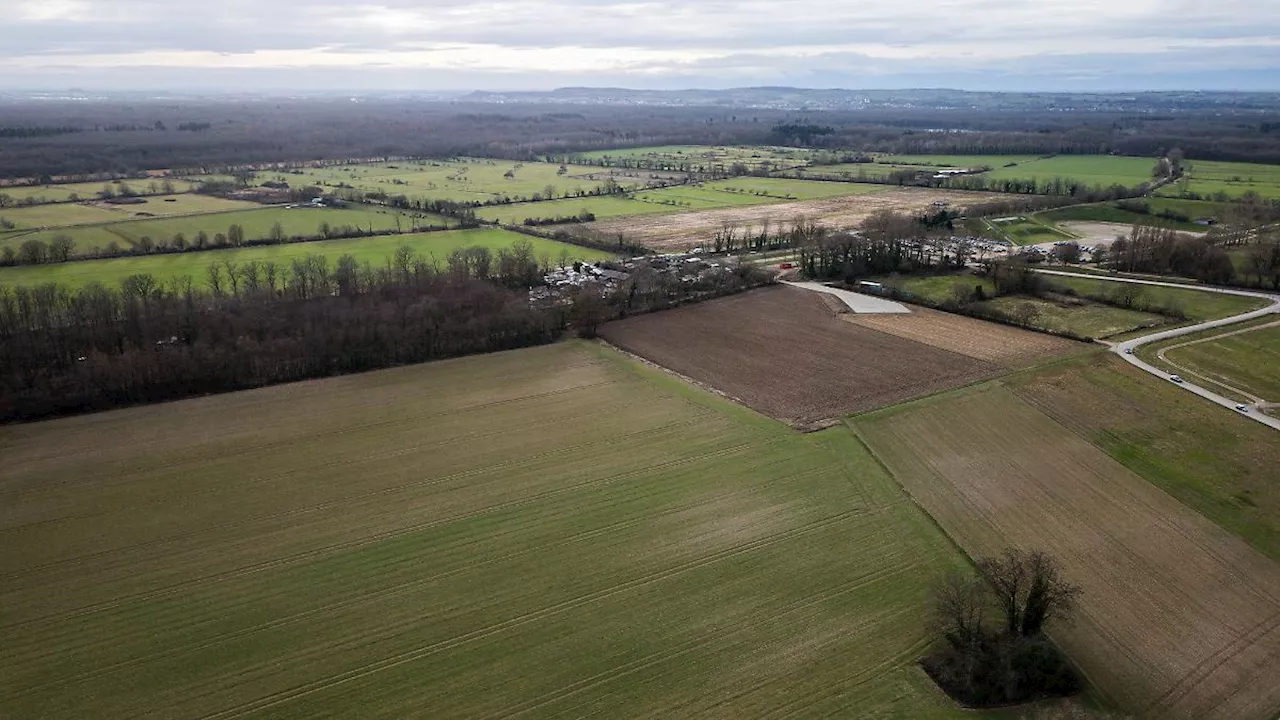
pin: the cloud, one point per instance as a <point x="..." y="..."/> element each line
<point x="532" y="43"/>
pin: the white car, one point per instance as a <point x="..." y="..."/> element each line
<point x="1128" y="351"/>
<point x="1242" y="407"/>
<point x="1176" y="378"/>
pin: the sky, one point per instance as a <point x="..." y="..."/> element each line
<point x="452" y="45"/>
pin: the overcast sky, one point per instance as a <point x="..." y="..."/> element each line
<point x="521" y="44"/>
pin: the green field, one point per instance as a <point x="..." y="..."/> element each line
<point x="737" y="192"/>
<point x="1208" y="178"/>
<point x="85" y="191"/>
<point x="468" y="180"/>
<point x="1088" y="320"/>
<point x="257" y="224"/>
<point x="1091" y="170"/>
<point x="786" y="189"/>
<point x="66" y="214"/>
<point x="1197" y="304"/>
<point x="705" y="158"/>
<point x="39" y="216"/>
<point x="609" y="206"/>
<point x="1247" y="361"/>
<point x="375" y="250"/>
<point x="543" y="533"/>
<point x="1110" y="213"/>
<point x="1085" y="319"/>
<point x="1222" y="466"/>
<point x="957" y="161"/>
<point x="938" y="288"/>
<point x="1028" y="231"/>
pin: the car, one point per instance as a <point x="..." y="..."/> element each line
<point x="1242" y="407"/>
<point x="1176" y="378"/>
<point x="1128" y="351"/>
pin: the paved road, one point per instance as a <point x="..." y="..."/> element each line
<point x="1128" y="348"/>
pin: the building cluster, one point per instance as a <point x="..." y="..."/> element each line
<point x="561" y="284"/>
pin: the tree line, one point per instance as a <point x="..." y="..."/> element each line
<point x="243" y="325"/>
<point x="298" y="130"/>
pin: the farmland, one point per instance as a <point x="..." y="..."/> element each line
<point x="257" y="224"/>
<point x="623" y="545"/>
<point x="1177" y="616"/>
<point x="806" y="365"/>
<point x="1002" y="345"/>
<point x="693" y="229"/>
<point x="375" y="250"/>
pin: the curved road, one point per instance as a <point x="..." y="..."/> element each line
<point x="1128" y="347"/>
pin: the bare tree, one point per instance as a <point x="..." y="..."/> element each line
<point x="1029" y="588"/>
<point x="61" y="247"/>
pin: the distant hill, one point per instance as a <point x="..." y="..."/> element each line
<point x="789" y="98"/>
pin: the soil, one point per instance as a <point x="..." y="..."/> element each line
<point x="1008" y="347"/>
<point x="783" y="352"/>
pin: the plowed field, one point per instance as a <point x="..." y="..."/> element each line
<point x="1179" y="618"/>
<point x="784" y="353"/>
<point x="682" y="231"/>
<point x="1005" y="346"/>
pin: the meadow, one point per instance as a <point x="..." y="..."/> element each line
<point x="1091" y="170"/>
<point x="704" y="157"/>
<point x="1111" y="213"/>
<point x="257" y="222"/>
<point x="1027" y="231"/>
<point x="413" y="541"/>
<point x="957" y="161"/>
<point x="374" y="250"/>
<point x="465" y="180"/>
<point x="1197" y="304"/>
<point x="1208" y="178"/>
<point x="1074" y="315"/>
<point x="68" y="214"/>
<point x="737" y="192"/>
<point x="70" y="192"/>
<point x="608" y="206"/>
<point x="1244" y="359"/>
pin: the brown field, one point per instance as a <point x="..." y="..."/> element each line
<point x="782" y="351"/>
<point x="1008" y="347"/>
<point x="1178" y="617"/>
<point x="690" y="229"/>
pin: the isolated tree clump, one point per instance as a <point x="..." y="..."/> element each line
<point x="991" y="648"/>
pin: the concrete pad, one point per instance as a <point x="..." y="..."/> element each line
<point x="857" y="302"/>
